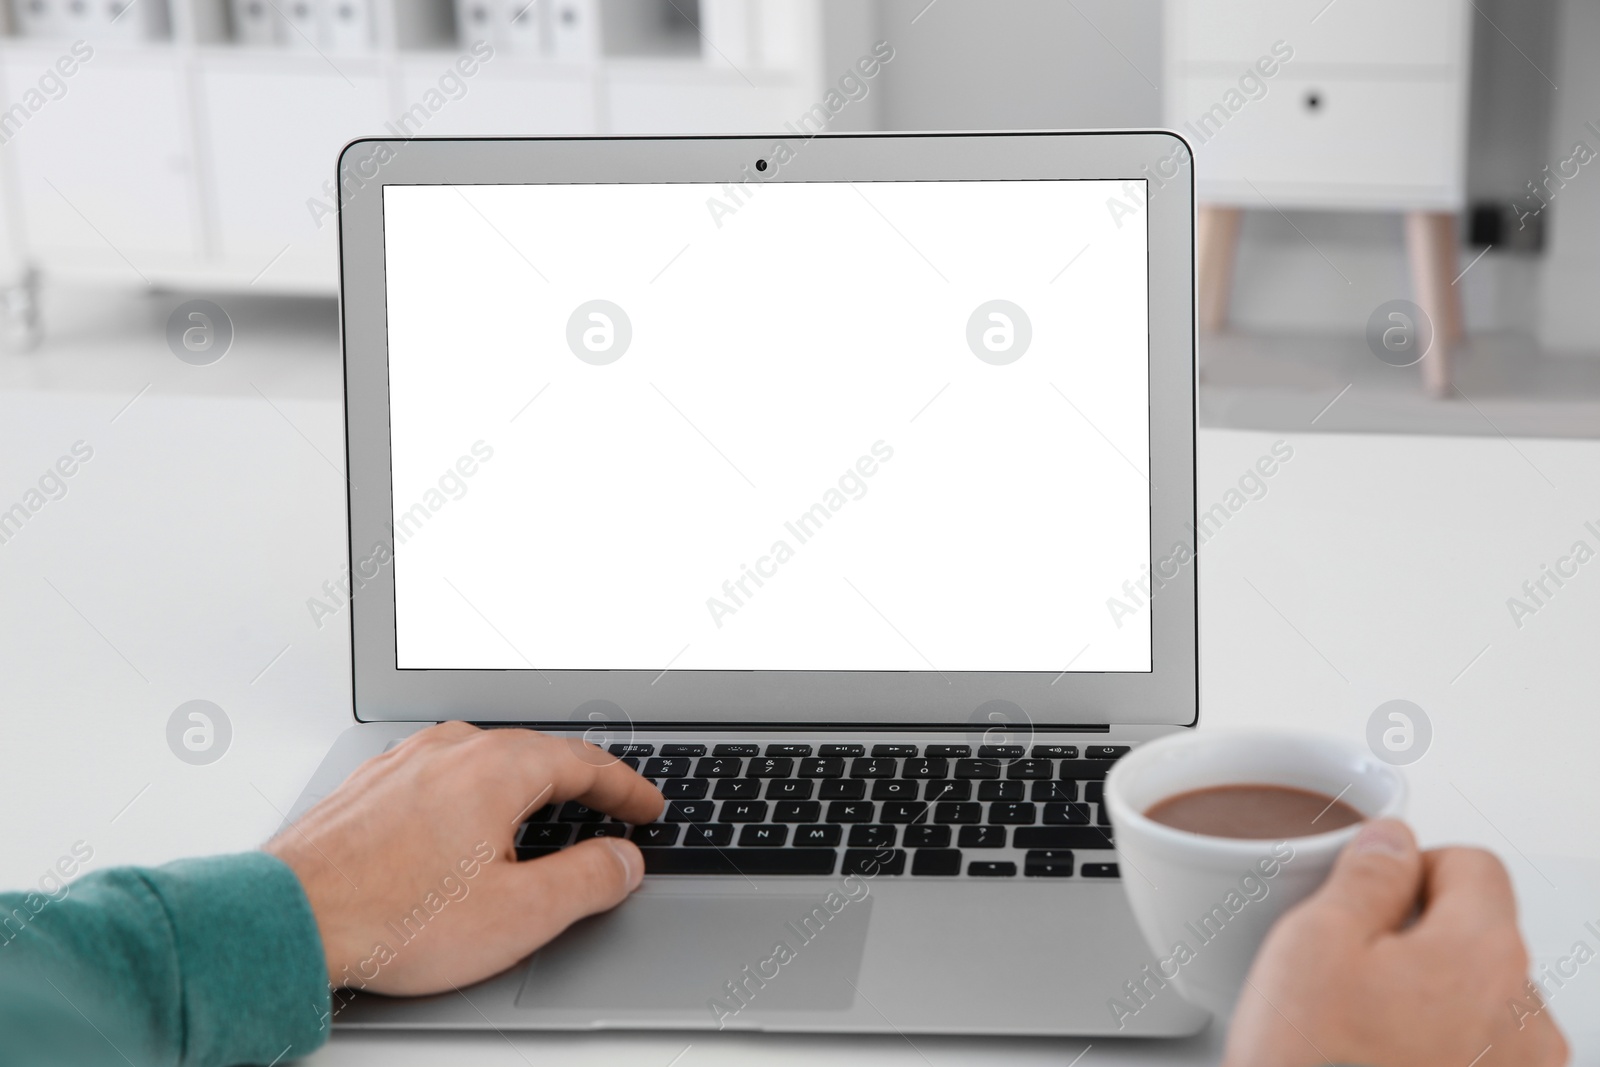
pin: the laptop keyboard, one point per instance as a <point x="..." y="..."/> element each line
<point x="920" y="810"/>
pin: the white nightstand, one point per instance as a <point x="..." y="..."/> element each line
<point x="1326" y="105"/>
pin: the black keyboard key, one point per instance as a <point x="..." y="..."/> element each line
<point x="895" y="789"/>
<point x="535" y="835"/>
<point x="631" y="762"/>
<point x="1001" y="791"/>
<point x="656" y="833"/>
<point x="763" y="836"/>
<point x="1007" y="814"/>
<point x="793" y="751"/>
<point x="982" y="837"/>
<point x="873" y="862"/>
<point x="572" y="811"/>
<point x="923" y="769"/>
<point x="689" y="811"/>
<point x="667" y="767"/>
<point x="683" y="750"/>
<point x="947" y="790"/>
<point x="842" y="750"/>
<point x="1057" y="791"/>
<point x="851" y="811"/>
<point x="894" y="750"/>
<point x="718" y="767"/>
<point x="817" y="836"/>
<point x="708" y="835"/>
<point x="737" y="789"/>
<point x="1100" y="870"/>
<point x="601" y="829"/>
<point x="1029" y="770"/>
<point x="744" y="811"/>
<point x="942" y="862"/>
<point x="685" y="788"/>
<point x="958" y="813"/>
<point x="790" y="789"/>
<point x="843" y="789"/>
<point x="1062" y="837"/>
<point x="770" y="767"/>
<point x="1047" y="864"/>
<point x="632" y="750"/>
<point x="926" y="837"/>
<point x="905" y="811"/>
<point x="1083" y="770"/>
<point x="1094" y="792"/>
<point x="948" y="751"/>
<point x="796" y="811"/>
<point x="977" y="768"/>
<point x="1066" y="814"/>
<point x="1111" y="752"/>
<point x="739" y="861"/>
<point x="531" y="853"/>
<point x="736" y="750"/>
<point x="872" y="836"/>
<point x="989" y="869"/>
<point x="1001" y="751"/>
<point x="1054" y="752"/>
<point x="822" y="767"/>
<point x="871" y="767"/>
<point x="1103" y="818"/>
<point x="544" y="814"/>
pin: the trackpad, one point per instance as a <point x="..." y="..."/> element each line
<point x="671" y="953"/>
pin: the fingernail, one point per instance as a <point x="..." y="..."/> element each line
<point x="1384" y="837"/>
<point x="632" y="862"/>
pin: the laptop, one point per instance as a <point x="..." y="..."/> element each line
<point x="844" y="487"/>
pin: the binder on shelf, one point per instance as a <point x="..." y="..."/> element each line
<point x="254" y="22"/>
<point x="526" y="30"/>
<point x="476" y="21"/>
<point x="347" y="25"/>
<point x="302" y="30"/>
<point x="78" y="18"/>
<point x="129" y="20"/>
<point x="574" y="31"/>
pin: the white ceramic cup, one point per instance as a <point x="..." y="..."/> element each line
<point x="1205" y="904"/>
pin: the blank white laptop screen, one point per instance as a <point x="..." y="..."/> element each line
<point x="871" y="426"/>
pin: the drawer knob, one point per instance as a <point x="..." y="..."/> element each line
<point x="1313" y="100"/>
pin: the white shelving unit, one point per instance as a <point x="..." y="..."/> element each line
<point x="195" y="161"/>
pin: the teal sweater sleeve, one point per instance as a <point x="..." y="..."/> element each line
<point x="200" y="963"/>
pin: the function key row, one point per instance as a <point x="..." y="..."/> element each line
<point x="880" y="789"/>
<point x="883" y="751"/>
<point x="918" y="768"/>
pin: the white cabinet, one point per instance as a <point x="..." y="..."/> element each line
<point x="1311" y="104"/>
<point x="1326" y="105"/>
<point x="507" y="95"/>
<point x="272" y="134"/>
<point x="717" y="104"/>
<point x="1347" y="33"/>
<point x="1331" y="142"/>
<point x="105" y="167"/>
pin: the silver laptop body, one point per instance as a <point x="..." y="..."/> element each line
<point x="594" y="384"/>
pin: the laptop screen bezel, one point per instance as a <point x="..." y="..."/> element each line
<point x="1165" y="695"/>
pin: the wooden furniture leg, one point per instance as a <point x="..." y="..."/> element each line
<point x="1431" y="246"/>
<point x="1216" y="241"/>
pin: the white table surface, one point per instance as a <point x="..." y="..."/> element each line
<point x="179" y="564"/>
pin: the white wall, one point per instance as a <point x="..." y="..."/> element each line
<point x="1571" y="269"/>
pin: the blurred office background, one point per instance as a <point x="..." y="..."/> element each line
<point x="1437" y="152"/>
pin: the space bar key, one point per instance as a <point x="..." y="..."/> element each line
<point x="739" y="860"/>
